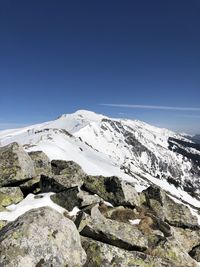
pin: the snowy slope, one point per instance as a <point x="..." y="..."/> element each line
<point x="133" y="150"/>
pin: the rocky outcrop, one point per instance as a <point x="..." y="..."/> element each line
<point x="112" y="189"/>
<point x="172" y="250"/>
<point x="41" y="237"/>
<point x="9" y="195"/>
<point x="187" y="237"/>
<point x="65" y="174"/>
<point x="74" y="197"/>
<point x="67" y="199"/>
<point x="115" y="233"/>
<point x="144" y="229"/>
<point x="41" y="163"/>
<point x="169" y="210"/>
<point x="16" y="165"/>
<point x="100" y="254"/>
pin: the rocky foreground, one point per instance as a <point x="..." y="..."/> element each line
<point x="114" y="225"/>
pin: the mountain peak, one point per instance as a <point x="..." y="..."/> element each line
<point x="85" y="114"/>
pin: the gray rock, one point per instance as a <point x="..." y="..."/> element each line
<point x="31" y="186"/>
<point x="104" y="255"/>
<point x="15" y="165"/>
<point x="67" y="199"/>
<point x="112" y="189"/>
<point x="187" y="237"/>
<point x="41" y="237"/>
<point x="168" y="210"/>
<point x="172" y="249"/>
<point x="88" y="199"/>
<point x="74" y="197"/>
<point x="65" y="174"/>
<point x="41" y="162"/>
<point x="115" y="233"/>
<point x="10" y="195"/>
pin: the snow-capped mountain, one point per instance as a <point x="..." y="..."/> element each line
<point x="131" y="149"/>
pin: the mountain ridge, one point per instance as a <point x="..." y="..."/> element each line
<point x="131" y="149"/>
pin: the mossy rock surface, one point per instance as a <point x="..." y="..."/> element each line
<point x="9" y="195"/>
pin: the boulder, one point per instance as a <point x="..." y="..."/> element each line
<point x="171" y="249"/>
<point x="41" y="162"/>
<point x="16" y="165"/>
<point x="65" y="174"/>
<point x="67" y="199"/>
<point x="88" y="199"/>
<point x="113" y="190"/>
<point x="74" y="197"/>
<point x="187" y="237"/>
<point x="169" y="210"/>
<point x="115" y="233"/>
<point x="31" y="186"/>
<point x="41" y="237"/>
<point x="100" y="254"/>
<point x="9" y="195"/>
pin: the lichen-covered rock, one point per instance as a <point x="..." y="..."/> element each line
<point x="176" y="214"/>
<point x="65" y="175"/>
<point x="172" y="250"/>
<point x="2" y="224"/>
<point x="41" y="237"/>
<point x="41" y="162"/>
<point x="187" y="237"/>
<point x="112" y="189"/>
<point x="9" y="195"/>
<point x="104" y="255"/>
<point x="115" y="233"/>
<point x="15" y="165"/>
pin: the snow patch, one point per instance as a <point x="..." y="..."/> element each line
<point x="30" y="202"/>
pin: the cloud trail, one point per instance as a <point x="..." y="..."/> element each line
<point x="152" y="107"/>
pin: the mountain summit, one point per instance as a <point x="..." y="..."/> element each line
<point x="131" y="149"/>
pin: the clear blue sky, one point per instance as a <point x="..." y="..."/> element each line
<point x="57" y="56"/>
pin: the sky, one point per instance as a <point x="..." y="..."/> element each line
<point x="137" y="59"/>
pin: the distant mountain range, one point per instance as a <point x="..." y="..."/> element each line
<point x="131" y="149"/>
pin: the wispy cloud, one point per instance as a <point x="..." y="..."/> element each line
<point x="152" y="107"/>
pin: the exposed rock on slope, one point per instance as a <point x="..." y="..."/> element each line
<point x="101" y="254"/>
<point x="42" y="163"/>
<point x="107" y="146"/>
<point x="112" y="189"/>
<point x="9" y="195"/>
<point x="148" y="228"/>
<point x="169" y="210"/>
